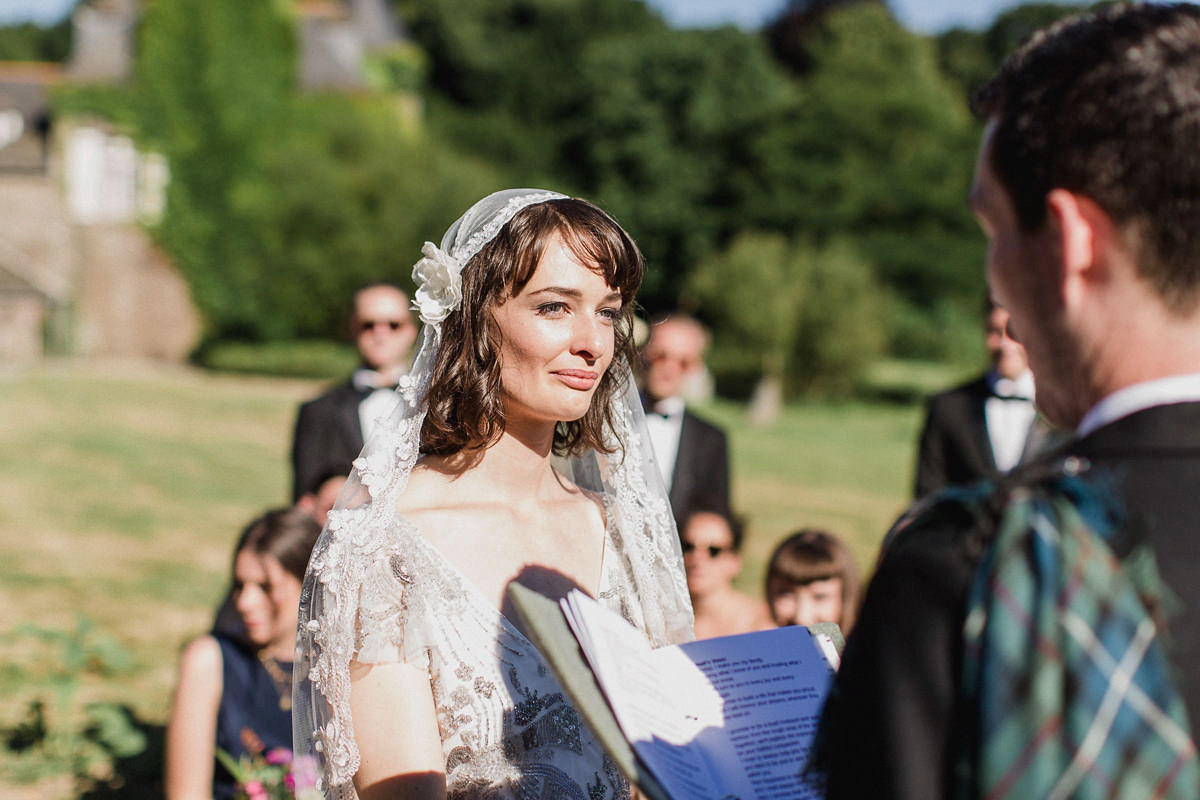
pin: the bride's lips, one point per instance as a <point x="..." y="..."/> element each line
<point x="582" y="379"/>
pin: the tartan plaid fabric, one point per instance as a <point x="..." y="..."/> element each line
<point x="1061" y="658"/>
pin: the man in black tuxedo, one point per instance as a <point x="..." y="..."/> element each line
<point x="329" y="429"/>
<point x="1088" y="189"/>
<point x="986" y="425"/>
<point x="693" y="454"/>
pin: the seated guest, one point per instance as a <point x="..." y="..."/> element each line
<point x="711" y="541"/>
<point x="238" y="689"/>
<point x="811" y="577"/>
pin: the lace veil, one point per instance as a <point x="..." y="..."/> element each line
<point x="653" y="590"/>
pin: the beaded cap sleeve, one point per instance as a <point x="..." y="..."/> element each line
<point x="377" y="591"/>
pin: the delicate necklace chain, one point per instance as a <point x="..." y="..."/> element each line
<point x="282" y="679"/>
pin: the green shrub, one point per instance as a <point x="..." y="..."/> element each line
<point x="310" y="358"/>
<point x="807" y="318"/>
<point x="58" y="737"/>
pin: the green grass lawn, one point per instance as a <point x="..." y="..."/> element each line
<point x="125" y="487"/>
<point x="846" y="468"/>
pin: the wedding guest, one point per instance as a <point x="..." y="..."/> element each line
<point x="1012" y="641"/>
<point x="692" y="453"/>
<point x="986" y="425"/>
<point x="330" y="429"/>
<point x="320" y="502"/>
<point x="515" y="454"/>
<point x="712" y="541"/>
<point x="232" y="690"/>
<point x="812" y="577"/>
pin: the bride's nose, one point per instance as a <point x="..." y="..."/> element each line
<point x="592" y="337"/>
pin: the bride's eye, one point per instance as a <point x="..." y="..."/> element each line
<point x="552" y="309"/>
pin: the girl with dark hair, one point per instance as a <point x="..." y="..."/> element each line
<point x="235" y="689"/>
<point x="812" y="577"/>
<point x="517" y="453"/>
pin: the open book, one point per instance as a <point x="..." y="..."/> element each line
<point x="716" y="719"/>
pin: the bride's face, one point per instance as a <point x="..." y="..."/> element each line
<point x="558" y="338"/>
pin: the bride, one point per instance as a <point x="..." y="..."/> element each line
<point x="517" y="452"/>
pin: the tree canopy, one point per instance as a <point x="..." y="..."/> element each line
<point x="836" y="145"/>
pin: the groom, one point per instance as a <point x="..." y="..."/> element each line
<point x="1088" y="189"/>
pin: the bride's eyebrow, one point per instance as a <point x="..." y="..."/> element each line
<point x="574" y="294"/>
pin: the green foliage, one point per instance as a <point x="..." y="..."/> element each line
<point x="402" y="67"/>
<point x="968" y="58"/>
<point x="517" y="55"/>
<point x="884" y="153"/>
<point x="505" y="75"/>
<point x="58" y="737"/>
<point x="839" y="332"/>
<point x="964" y="59"/>
<point x="118" y="105"/>
<point x="345" y="199"/>
<point x="280" y="205"/>
<point x="944" y="331"/>
<point x="29" y="42"/>
<point x="214" y="82"/>
<point x="665" y="138"/>
<point x="813" y="313"/>
<point x="1012" y="27"/>
<point x="308" y="358"/>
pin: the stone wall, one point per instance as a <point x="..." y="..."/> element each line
<point x="103" y="289"/>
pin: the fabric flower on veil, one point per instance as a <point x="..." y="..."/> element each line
<point x="438" y="277"/>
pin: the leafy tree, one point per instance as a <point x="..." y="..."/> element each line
<point x="797" y="317"/>
<point x="665" y="140"/>
<point x="29" y="42"/>
<point x="790" y="33"/>
<point x="345" y="200"/>
<point x="505" y="71"/>
<point x="1012" y="27"/>
<point x="214" y="80"/>
<point x="964" y="59"/>
<point x="882" y="151"/>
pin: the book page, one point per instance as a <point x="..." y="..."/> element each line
<point x="732" y="717"/>
<point x="662" y="702"/>
<point x="773" y="684"/>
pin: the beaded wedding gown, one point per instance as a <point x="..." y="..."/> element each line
<point x="507" y="729"/>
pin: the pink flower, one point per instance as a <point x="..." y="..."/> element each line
<point x="255" y="790"/>
<point x="279" y="755"/>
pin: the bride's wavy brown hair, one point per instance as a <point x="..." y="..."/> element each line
<point x="465" y="409"/>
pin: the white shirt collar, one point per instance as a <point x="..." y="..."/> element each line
<point x="1140" y="396"/>
<point x="669" y="406"/>
<point x="1020" y="386"/>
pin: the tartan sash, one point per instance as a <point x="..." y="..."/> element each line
<point x="1062" y="660"/>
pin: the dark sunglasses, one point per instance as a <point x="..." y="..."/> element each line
<point x="371" y="324"/>
<point x="713" y="550"/>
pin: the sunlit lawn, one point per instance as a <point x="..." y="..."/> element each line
<point x="125" y="486"/>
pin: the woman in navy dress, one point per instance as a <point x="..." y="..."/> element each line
<point x="235" y="690"/>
